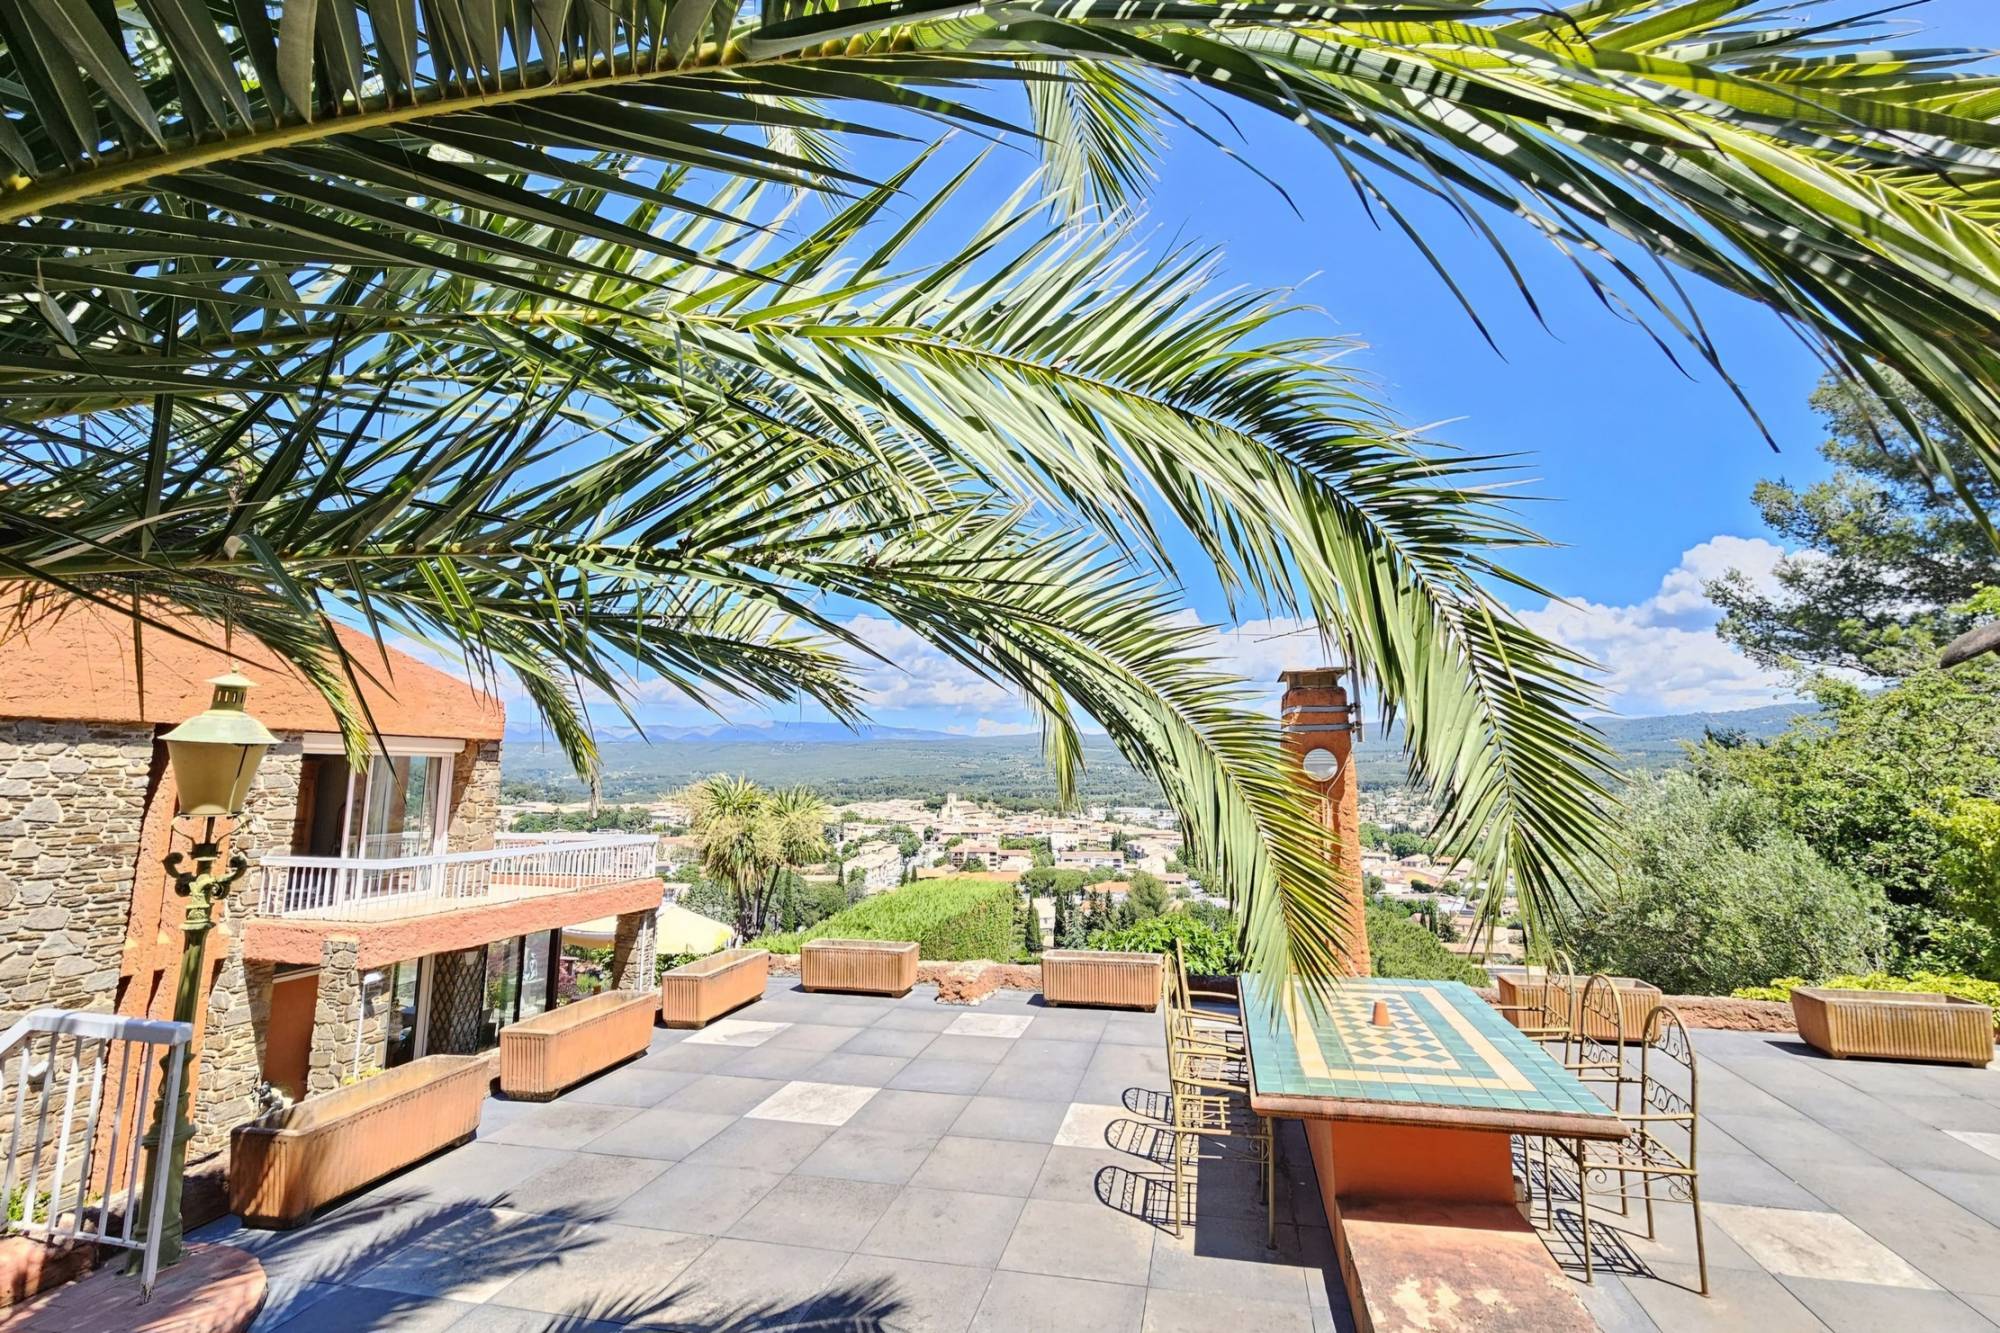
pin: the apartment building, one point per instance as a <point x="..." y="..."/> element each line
<point x="383" y="918"/>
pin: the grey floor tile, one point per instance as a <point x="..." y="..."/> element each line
<point x="858" y="1153"/>
<point x="699" y="1198"/>
<point x="944" y="1226"/>
<point x="1860" y="1307"/>
<point x="982" y="1166"/>
<point x="812" y="1037"/>
<point x="361" y="1310"/>
<point x="506" y="1319"/>
<point x="1738" y="1300"/>
<point x="878" y="1040"/>
<point x="767" y="1145"/>
<point x="1067" y="1025"/>
<point x="1228" y="1255"/>
<point x="582" y="1185"/>
<point x="1031" y="1052"/>
<point x="665" y="1134"/>
<point x="914" y="1019"/>
<point x="861" y="1071"/>
<point x="1609" y="1302"/>
<point x="604" y="1271"/>
<point x="926" y="1298"/>
<point x="1978" y="1194"/>
<point x="1032" y="1084"/>
<point x="927" y="1074"/>
<point x="821" y="1211"/>
<point x="782" y="1064"/>
<point x="722" y="1094"/>
<point x="477" y="1171"/>
<point x="976" y="1050"/>
<point x="747" y="1284"/>
<point x="287" y="1298"/>
<point x="1746" y="1178"/>
<point x="928" y="1113"/>
<point x="701" y="1059"/>
<point x="1037" y="1303"/>
<point x="1170" y="1311"/>
<point x="632" y="1086"/>
<point x="1948" y="1244"/>
<point x="1010" y="1118"/>
<point x="1083" y="1240"/>
<point x="562" y="1124"/>
<point x="1133" y="1030"/>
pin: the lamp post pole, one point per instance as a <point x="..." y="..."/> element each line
<point x="214" y="757"/>
<point x="203" y="889"/>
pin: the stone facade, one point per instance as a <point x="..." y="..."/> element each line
<point x="72" y="800"/>
<point x="633" y="951"/>
<point x="475" y="797"/>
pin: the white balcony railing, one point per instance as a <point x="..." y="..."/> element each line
<point x="338" y="888"/>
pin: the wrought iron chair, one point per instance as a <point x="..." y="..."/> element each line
<point x="1208" y="1094"/>
<point x="1545" y="1016"/>
<point x="1664" y="1143"/>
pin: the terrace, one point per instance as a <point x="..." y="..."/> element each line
<point x="830" y="1161"/>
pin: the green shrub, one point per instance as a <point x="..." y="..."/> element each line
<point x="951" y="920"/>
<point x="1399" y="947"/>
<point x="1940" y="983"/>
<point x="667" y="962"/>
<point x="1209" y="952"/>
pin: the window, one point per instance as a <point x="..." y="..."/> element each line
<point x="400" y="1023"/>
<point x="537" y="973"/>
<point x="396" y="808"/>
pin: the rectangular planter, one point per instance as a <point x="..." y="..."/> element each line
<point x="285" y="1165"/>
<point x="699" y="992"/>
<point x="1636" y="1000"/>
<point x="867" y="967"/>
<point x="1894" y="1025"/>
<point x="1108" y="980"/>
<point x="541" y="1056"/>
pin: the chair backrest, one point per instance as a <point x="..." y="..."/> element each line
<point x="1597" y="1035"/>
<point x="1668" y="1051"/>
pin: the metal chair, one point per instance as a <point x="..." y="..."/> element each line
<point x="1208" y="1094"/>
<point x="1545" y="1017"/>
<point x="1665" y="1140"/>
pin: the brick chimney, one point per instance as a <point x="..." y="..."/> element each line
<point x="1321" y="725"/>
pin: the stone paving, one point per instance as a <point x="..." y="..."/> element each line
<point x="825" y="1161"/>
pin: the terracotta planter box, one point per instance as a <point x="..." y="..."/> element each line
<point x="541" y="1056"/>
<point x="869" y="967"/>
<point x="288" y="1163"/>
<point x="1636" y="1000"/>
<point x="1894" y="1025"/>
<point x="697" y="993"/>
<point x="1110" y="980"/>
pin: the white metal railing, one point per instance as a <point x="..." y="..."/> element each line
<point x="342" y="888"/>
<point x="83" y="1089"/>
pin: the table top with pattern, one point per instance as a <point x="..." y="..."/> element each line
<point x="1446" y="1058"/>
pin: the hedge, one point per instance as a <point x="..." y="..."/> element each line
<point x="1209" y="952"/>
<point x="952" y="920"/>
<point x="1935" y="983"/>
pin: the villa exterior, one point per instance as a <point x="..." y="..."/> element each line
<point x="384" y="916"/>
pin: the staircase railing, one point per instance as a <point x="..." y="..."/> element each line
<point x="82" y="1090"/>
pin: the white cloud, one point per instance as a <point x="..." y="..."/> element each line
<point x="988" y="726"/>
<point x="913" y="674"/>
<point x="1661" y="655"/>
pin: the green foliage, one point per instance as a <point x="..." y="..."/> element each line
<point x="1714" y="892"/>
<point x="1209" y="951"/>
<point x="605" y="819"/>
<point x="1405" y="843"/>
<point x="1977" y="990"/>
<point x="1399" y="947"/>
<point x="705" y="897"/>
<point x="667" y="962"/>
<point x="951" y="920"/>
<point x="1864" y="785"/>
<point x="1888" y="554"/>
<point x="1147" y="898"/>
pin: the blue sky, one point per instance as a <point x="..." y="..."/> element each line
<point x="1648" y="470"/>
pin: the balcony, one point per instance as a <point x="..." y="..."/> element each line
<point x="399" y="906"/>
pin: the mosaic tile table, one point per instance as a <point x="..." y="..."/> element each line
<point x="1410" y="1126"/>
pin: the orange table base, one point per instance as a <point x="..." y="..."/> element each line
<point x="1428" y="1234"/>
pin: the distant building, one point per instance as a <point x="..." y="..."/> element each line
<point x="880" y="864"/>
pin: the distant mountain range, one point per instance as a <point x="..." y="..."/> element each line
<point x="881" y="761"/>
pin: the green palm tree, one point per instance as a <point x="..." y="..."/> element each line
<point x="739" y="843"/>
<point x="312" y="311"/>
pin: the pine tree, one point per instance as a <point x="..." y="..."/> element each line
<point x="1031" y="928"/>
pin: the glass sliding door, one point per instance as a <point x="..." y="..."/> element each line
<point x="396" y="809"/>
<point x="537" y="976"/>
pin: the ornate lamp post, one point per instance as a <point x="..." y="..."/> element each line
<point x="214" y="756"/>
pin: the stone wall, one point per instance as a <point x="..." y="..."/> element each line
<point x="633" y="951"/>
<point x="339" y="1013"/>
<point x="72" y="799"/>
<point x="475" y="797"/>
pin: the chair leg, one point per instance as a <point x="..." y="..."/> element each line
<point x="1583" y="1209"/>
<point x="1700" y="1244"/>
<point x="1646" y="1183"/>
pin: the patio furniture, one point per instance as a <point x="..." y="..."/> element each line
<point x="865" y="967"/>
<point x="699" y="992"/>
<point x="285" y="1165"/>
<point x="1526" y="994"/>
<point x="1536" y="1000"/>
<point x="541" y="1056"/>
<point x="1208" y="1091"/>
<point x="1411" y="1125"/>
<point x="1104" y="980"/>
<point x="1894" y="1025"/>
<point x="1666" y="1128"/>
<point x="1595" y="1049"/>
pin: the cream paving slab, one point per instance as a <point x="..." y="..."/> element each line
<point x="1792" y="1242"/>
<point x="1087" y="1125"/>
<point x="803" y="1103"/>
<point x="1986" y="1143"/>
<point x="735" y="1032"/>
<point x="989" y="1025"/>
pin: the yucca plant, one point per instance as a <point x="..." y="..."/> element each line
<point x="428" y="315"/>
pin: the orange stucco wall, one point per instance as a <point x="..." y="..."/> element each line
<point x="1314" y="712"/>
